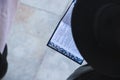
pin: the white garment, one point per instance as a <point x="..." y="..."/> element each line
<point x="7" y="12"/>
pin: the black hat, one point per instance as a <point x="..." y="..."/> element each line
<point x="96" y="31"/>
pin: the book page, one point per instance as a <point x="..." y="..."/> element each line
<point x="62" y="39"/>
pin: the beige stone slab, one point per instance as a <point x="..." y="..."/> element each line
<point x="27" y="42"/>
<point x="25" y="56"/>
<point x="35" y="22"/>
<point x="53" y="6"/>
<point x="55" y="66"/>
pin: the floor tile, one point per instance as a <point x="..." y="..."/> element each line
<point x="24" y="57"/>
<point x="55" y="66"/>
<point x="36" y="22"/>
<point x="53" y="6"/>
<point x="27" y="42"/>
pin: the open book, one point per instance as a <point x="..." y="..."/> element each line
<point x="62" y="40"/>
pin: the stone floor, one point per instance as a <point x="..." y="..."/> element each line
<point x="29" y="57"/>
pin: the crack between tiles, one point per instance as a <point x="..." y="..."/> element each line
<point x="67" y="6"/>
<point x="37" y="71"/>
<point x="40" y="9"/>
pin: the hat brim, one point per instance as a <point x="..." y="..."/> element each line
<point x="82" y="28"/>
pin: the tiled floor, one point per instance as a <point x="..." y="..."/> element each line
<point x="29" y="57"/>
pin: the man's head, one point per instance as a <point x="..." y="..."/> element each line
<point x="96" y="31"/>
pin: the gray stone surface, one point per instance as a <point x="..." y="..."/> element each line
<point x="55" y="66"/>
<point x="29" y="57"/>
<point x="53" y="6"/>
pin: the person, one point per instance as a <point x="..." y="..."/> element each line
<point x="7" y="14"/>
<point x="96" y="32"/>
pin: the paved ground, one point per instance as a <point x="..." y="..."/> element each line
<point x="29" y="57"/>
